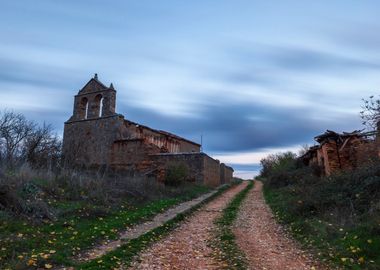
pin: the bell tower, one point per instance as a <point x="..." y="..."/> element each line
<point x="93" y="127"/>
<point x="94" y="100"/>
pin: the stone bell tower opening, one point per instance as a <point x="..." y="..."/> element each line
<point x="94" y="100"/>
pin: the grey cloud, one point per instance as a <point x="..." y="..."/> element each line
<point x="266" y="61"/>
<point x="239" y="127"/>
<point x="303" y="59"/>
<point x="225" y="126"/>
<point x="249" y="75"/>
<point x="36" y="74"/>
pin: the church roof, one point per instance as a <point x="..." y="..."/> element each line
<point x="168" y="134"/>
<point x="94" y="85"/>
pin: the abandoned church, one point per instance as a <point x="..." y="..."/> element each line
<point x="96" y="136"/>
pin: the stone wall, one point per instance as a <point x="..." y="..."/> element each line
<point x="226" y="174"/>
<point x="106" y="141"/>
<point x="88" y="142"/>
<point x="211" y="171"/>
<point x="186" y="146"/>
<point x="132" y="155"/>
<point x="192" y="161"/>
<point x="229" y="175"/>
<point x="100" y="142"/>
<point x="201" y="168"/>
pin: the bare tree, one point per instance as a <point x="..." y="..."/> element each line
<point x="14" y="129"/>
<point x="24" y="141"/>
<point x="42" y="147"/>
<point x="370" y="113"/>
<point x="304" y="149"/>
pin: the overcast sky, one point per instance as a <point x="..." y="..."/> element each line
<point x="252" y="77"/>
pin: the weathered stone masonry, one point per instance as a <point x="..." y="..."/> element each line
<point x="96" y="136"/>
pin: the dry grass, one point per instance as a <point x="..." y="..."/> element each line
<point x="39" y="195"/>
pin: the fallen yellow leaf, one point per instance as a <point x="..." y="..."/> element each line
<point x="31" y="262"/>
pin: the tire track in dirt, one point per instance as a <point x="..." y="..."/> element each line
<point x="187" y="246"/>
<point x="264" y="241"/>
<point x="140" y="229"/>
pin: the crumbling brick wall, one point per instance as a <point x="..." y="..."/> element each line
<point x="339" y="152"/>
<point x="340" y="156"/>
<point x="166" y="141"/>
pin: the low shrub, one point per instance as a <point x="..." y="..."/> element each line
<point x="278" y="163"/>
<point x="176" y="174"/>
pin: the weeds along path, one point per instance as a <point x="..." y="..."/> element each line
<point x="264" y="242"/>
<point x="187" y="246"/>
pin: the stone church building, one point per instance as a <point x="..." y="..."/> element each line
<point x="96" y="136"/>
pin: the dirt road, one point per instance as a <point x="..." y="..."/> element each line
<point x="186" y="247"/>
<point x="264" y="241"/>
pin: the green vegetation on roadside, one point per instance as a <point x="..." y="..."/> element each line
<point x="225" y="239"/>
<point x="124" y="254"/>
<point x="337" y="217"/>
<point x="27" y="244"/>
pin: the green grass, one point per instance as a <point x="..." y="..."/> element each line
<point x="225" y="239"/>
<point x="125" y="253"/>
<point x="348" y="247"/>
<point x="24" y="245"/>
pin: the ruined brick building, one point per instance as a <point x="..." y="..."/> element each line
<point x="340" y="151"/>
<point x="96" y="136"/>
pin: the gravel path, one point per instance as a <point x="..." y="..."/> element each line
<point x="264" y="241"/>
<point x="140" y="229"/>
<point x="186" y="247"/>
